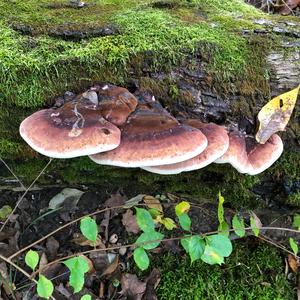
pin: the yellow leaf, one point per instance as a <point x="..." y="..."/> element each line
<point x="182" y="208"/>
<point x="168" y="223"/>
<point x="275" y="115"/>
<point x="152" y="202"/>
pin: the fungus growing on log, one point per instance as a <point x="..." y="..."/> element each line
<point x="75" y="129"/>
<point x="247" y="156"/>
<point x="115" y="103"/>
<point x="218" y="143"/>
<point x="150" y="137"/>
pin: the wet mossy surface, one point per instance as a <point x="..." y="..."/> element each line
<point x="252" y="272"/>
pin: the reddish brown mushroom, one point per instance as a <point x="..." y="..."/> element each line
<point x="247" y="156"/>
<point x="151" y="136"/>
<point x="75" y="129"/>
<point x="116" y="103"/>
<point x="218" y="143"/>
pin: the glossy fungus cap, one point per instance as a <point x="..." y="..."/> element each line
<point x="70" y="131"/>
<point x="150" y="137"/>
<point x="116" y="103"/>
<point x="218" y="143"/>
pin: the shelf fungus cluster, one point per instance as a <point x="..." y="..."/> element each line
<point x="115" y="127"/>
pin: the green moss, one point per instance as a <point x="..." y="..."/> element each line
<point x="288" y="165"/>
<point x="251" y="272"/>
<point x="294" y="199"/>
<point x="42" y="67"/>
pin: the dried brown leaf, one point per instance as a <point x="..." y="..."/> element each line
<point x="80" y="240"/>
<point x="152" y="202"/>
<point x="293" y="263"/>
<point x="129" y="221"/>
<point x="111" y="267"/>
<point x="132" y="287"/>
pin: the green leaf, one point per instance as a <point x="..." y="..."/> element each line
<point x="181" y="208"/>
<point x="86" y="297"/>
<point x="149" y="236"/>
<point x="141" y="258"/>
<point x="185" y="221"/>
<point x="211" y="256"/>
<point x="221" y="244"/>
<point x="5" y="212"/>
<point x="221" y="209"/>
<point x="254" y="227"/>
<point x="296" y="221"/>
<point x="224" y="228"/>
<point x="32" y="259"/>
<point x="89" y="228"/>
<point x="168" y="223"/>
<point x="144" y="220"/>
<point x="194" y="246"/>
<point x="154" y="212"/>
<point x="78" y="266"/>
<point x="238" y="226"/>
<point x="185" y="243"/>
<point x="44" y="287"/>
<point x="294" y="246"/>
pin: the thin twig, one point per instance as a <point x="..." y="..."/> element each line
<point x="12" y="172"/>
<point x="163" y="240"/>
<point x="108" y="209"/>
<point x="25" y="193"/>
<point x="7" y="260"/>
<point x="62" y="227"/>
<point x="270" y="241"/>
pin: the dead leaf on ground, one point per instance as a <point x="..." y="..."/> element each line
<point x="116" y="199"/>
<point x="112" y="266"/>
<point x="52" y="246"/>
<point x="67" y="197"/>
<point x="134" y="201"/>
<point x="132" y="287"/>
<point x="152" y="282"/>
<point x="275" y="115"/>
<point x="293" y="263"/>
<point x="129" y="221"/>
<point x="5" y="280"/>
<point x="152" y="202"/>
<point x="43" y="261"/>
<point x="81" y="240"/>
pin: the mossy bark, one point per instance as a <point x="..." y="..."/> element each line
<point x="196" y="57"/>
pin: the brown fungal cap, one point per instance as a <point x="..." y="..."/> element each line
<point x="262" y="156"/>
<point x="236" y="154"/>
<point x="247" y="156"/>
<point x="218" y="143"/>
<point x="153" y="137"/>
<point x="73" y="130"/>
<point x="116" y="103"/>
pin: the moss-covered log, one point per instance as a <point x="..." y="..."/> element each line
<point x="213" y="59"/>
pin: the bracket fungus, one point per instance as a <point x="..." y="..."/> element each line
<point x="115" y="103"/>
<point x="218" y="143"/>
<point x="151" y="136"/>
<point x="248" y="156"/>
<point x="115" y="127"/>
<point x="73" y="130"/>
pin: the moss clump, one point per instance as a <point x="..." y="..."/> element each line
<point x="251" y="272"/>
